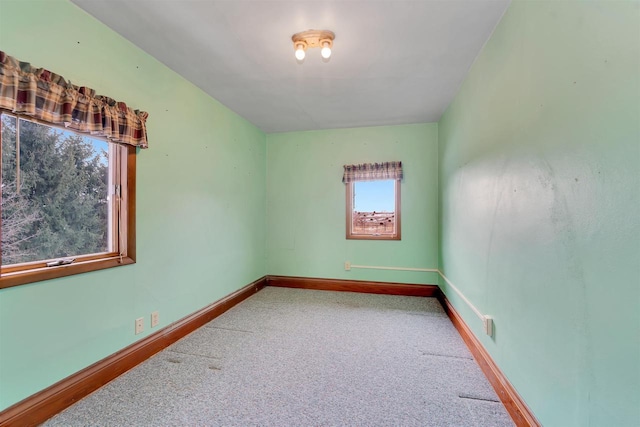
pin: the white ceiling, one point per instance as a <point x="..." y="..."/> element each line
<point x="393" y="61"/>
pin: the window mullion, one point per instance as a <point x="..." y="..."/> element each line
<point x="17" y="155"/>
<point x="118" y="238"/>
<point x="1" y="193"/>
<point x="111" y="194"/>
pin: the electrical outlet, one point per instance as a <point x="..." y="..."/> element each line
<point x="139" y="325"/>
<point x="347" y="265"/>
<point x="155" y="319"/>
<point x="487" y="323"/>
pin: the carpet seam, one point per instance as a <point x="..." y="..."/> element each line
<point x="195" y="355"/>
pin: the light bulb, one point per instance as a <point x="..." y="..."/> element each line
<point x="299" y="53"/>
<point x="326" y="51"/>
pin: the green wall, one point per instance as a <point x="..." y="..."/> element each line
<point x="201" y="205"/>
<point x="539" y="177"/>
<point x="306" y="202"/>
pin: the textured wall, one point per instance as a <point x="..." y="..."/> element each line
<point x="201" y="205"/>
<point x="539" y="177"/>
<point x="306" y="202"/>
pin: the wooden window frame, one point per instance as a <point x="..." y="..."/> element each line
<point x="124" y="223"/>
<point x="349" y="216"/>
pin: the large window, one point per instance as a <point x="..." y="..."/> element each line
<point x="67" y="201"/>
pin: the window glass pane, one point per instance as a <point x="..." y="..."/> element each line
<point x="374" y="207"/>
<point x="54" y="193"/>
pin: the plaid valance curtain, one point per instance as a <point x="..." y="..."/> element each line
<point x="372" y="172"/>
<point x="47" y="96"/>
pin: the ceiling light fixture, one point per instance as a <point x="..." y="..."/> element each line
<point x="313" y="38"/>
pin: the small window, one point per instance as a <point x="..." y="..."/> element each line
<point x="67" y="202"/>
<point x="373" y="209"/>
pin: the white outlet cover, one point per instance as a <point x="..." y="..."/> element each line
<point x="487" y="323"/>
<point x="139" y="325"/>
<point x="155" y="319"/>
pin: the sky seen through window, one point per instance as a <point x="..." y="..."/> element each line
<point x="378" y="196"/>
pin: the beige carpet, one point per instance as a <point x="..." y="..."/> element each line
<point x="291" y="357"/>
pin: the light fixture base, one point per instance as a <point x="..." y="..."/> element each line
<point x="314" y="38"/>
